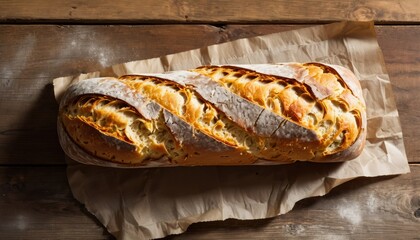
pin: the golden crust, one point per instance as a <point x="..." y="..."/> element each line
<point x="220" y="115"/>
<point x="334" y="112"/>
<point x="98" y="144"/>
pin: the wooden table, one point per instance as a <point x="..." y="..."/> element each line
<point x="41" y="40"/>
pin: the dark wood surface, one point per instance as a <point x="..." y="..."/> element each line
<point x="36" y="202"/>
<point x="216" y="11"/>
<point x="41" y="40"/>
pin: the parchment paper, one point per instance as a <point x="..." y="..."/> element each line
<point x="155" y="202"/>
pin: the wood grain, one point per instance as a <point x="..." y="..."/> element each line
<point x="36" y="201"/>
<point x="32" y="55"/>
<point x="217" y="11"/>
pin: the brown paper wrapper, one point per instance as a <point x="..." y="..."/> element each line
<point x="156" y="202"/>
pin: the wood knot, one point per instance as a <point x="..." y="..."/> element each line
<point x="71" y="11"/>
<point x="415" y="204"/>
<point x="417" y="213"/>
<point x="294" y="229"/>
<point x="363" y="13"/>
<point x="16" y="184"/>
<point x="183" y="8"/>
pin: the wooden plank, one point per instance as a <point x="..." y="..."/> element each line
<point x="203" y="11"/>
<point x="36" y="203"/>
<point x="32" y="55"/>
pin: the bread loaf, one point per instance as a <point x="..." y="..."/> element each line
<point x="216" y="115"/>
